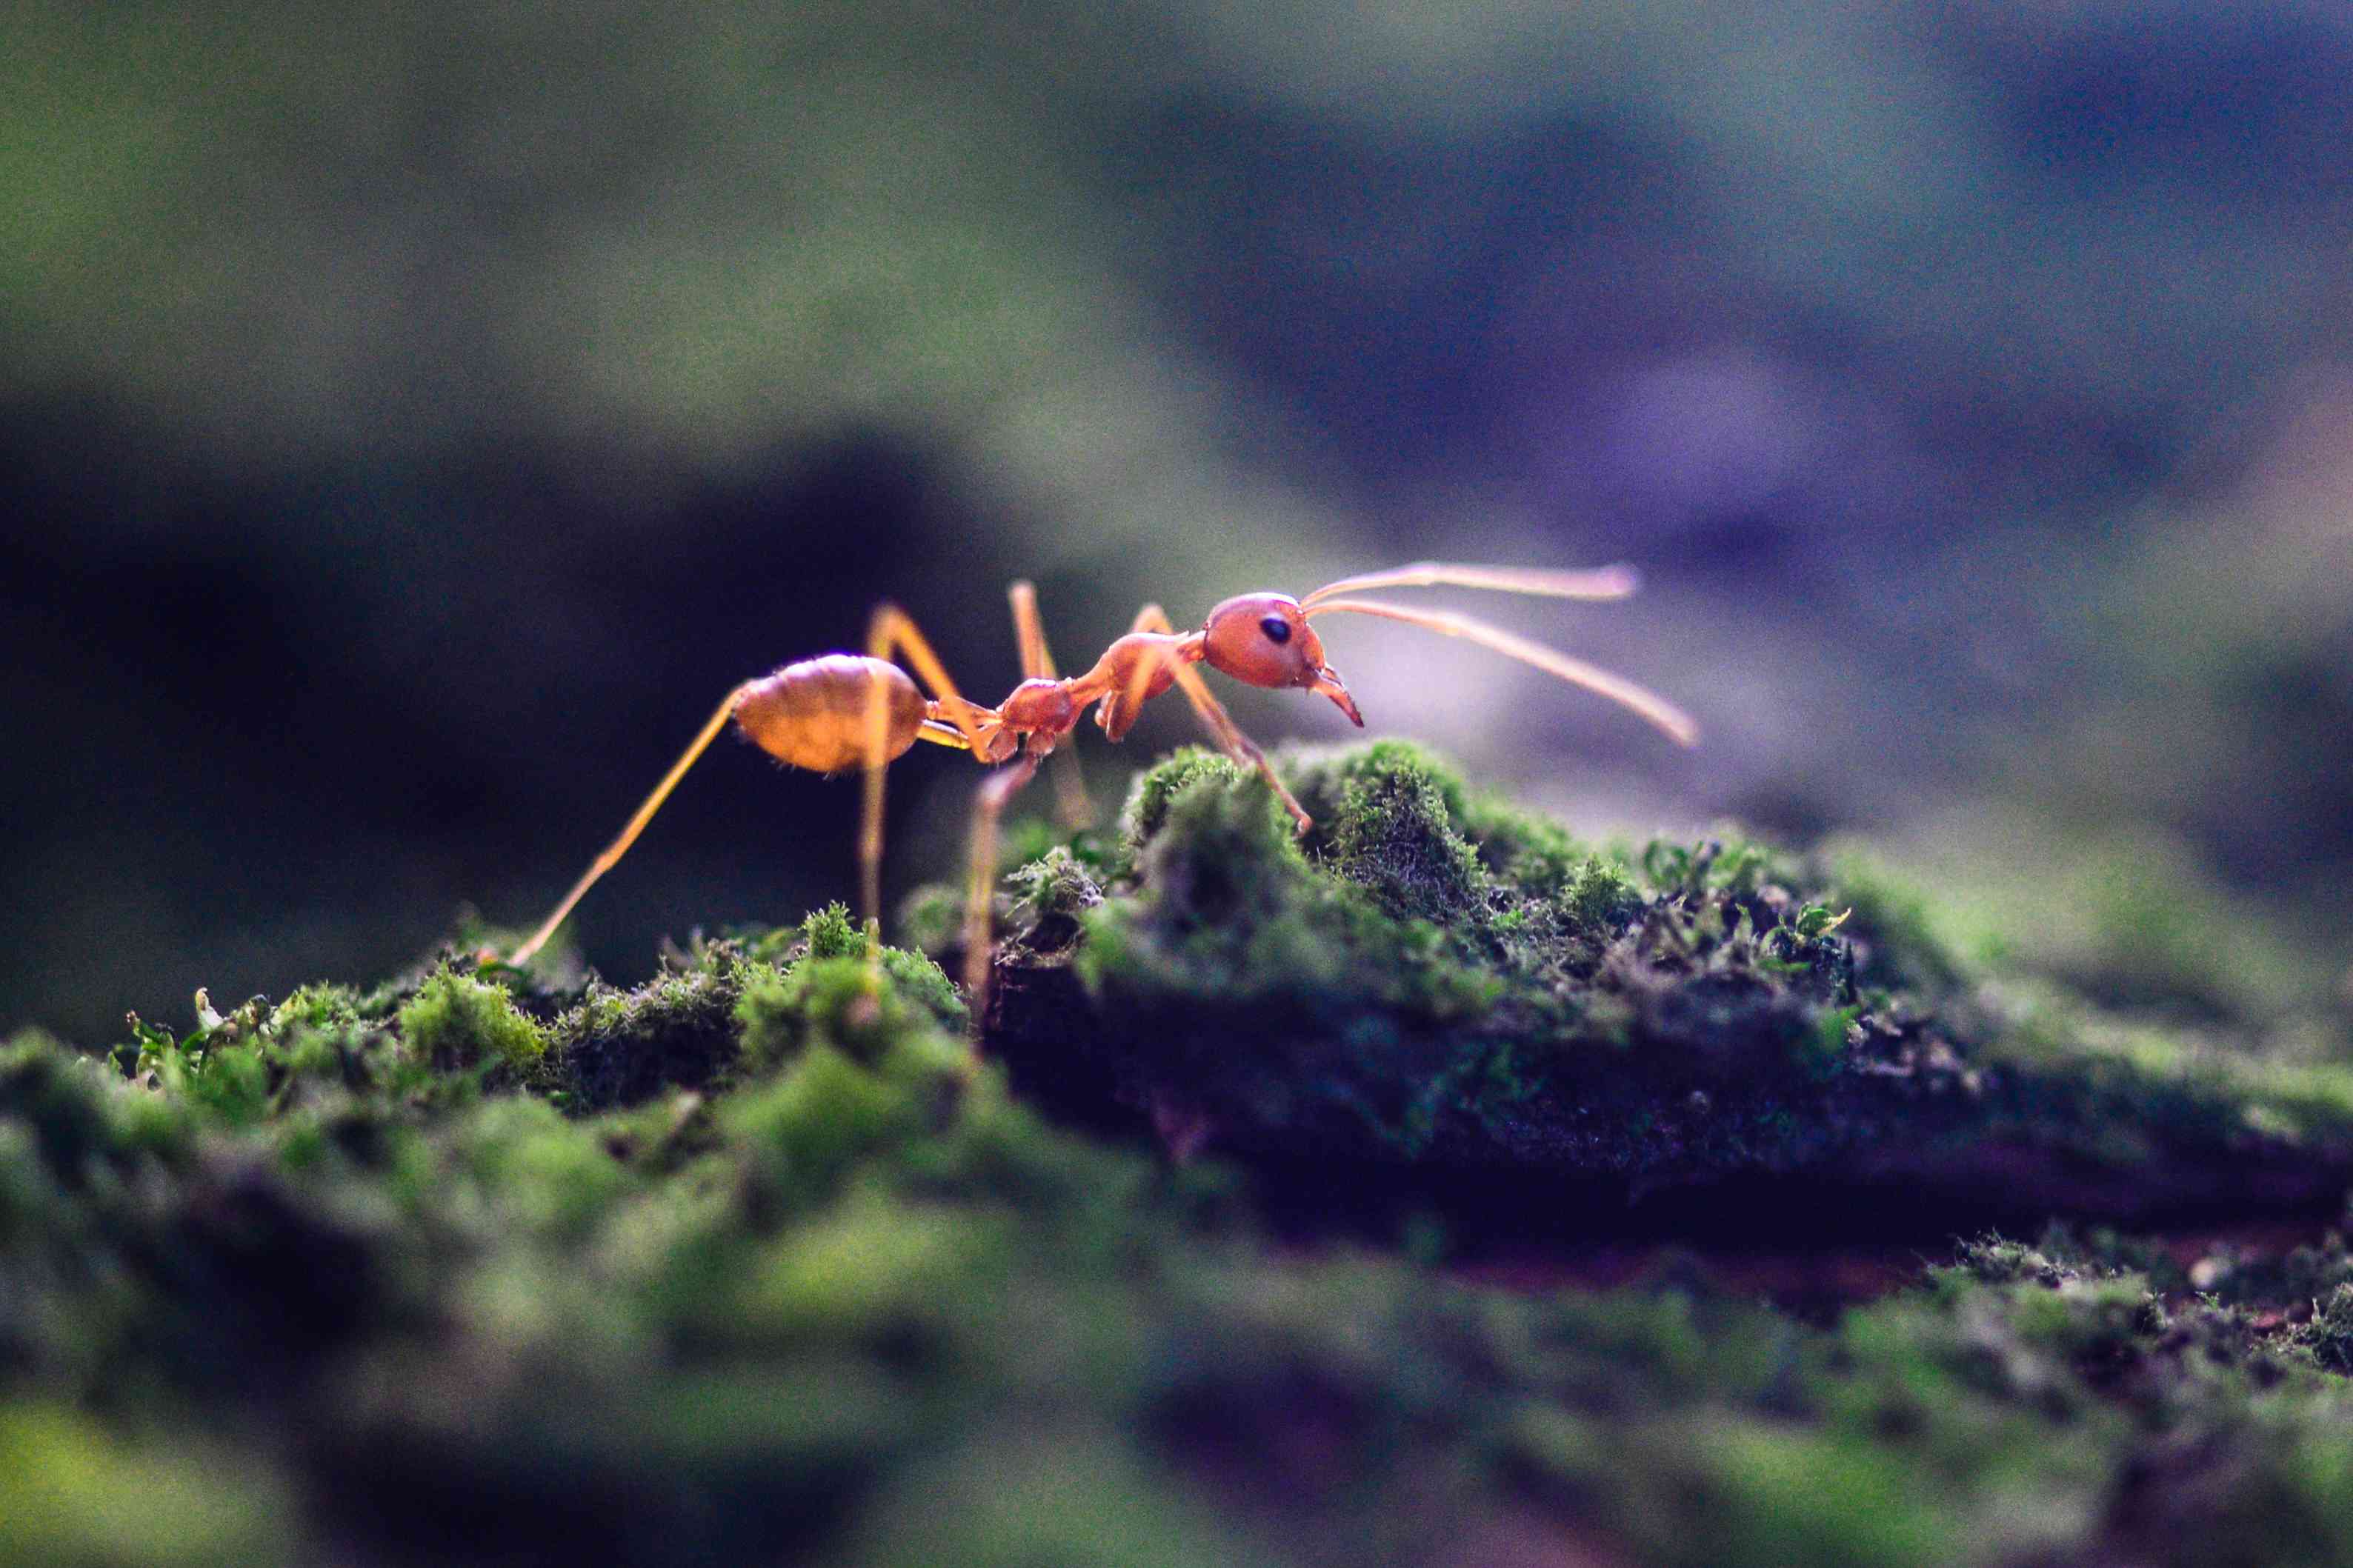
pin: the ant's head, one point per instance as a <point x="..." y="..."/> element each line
<point x="1264" y="639"/>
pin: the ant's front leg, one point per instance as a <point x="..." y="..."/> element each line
<point x="988" y="807"/>
<point x="1038" y="664"/>
<point x="1158" y="657"/>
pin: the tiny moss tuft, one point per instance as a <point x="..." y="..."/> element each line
<point x="831" y="933"/>
<point x="619" y="1048"/>
<point x="1148" y="797"/>
<point x="455" y="1021"/>
<point x="839" y="1003"/>
<point x="1393" y="835"/>
<point x="2328" y="1336"/>
<point x="318" y="1008"/>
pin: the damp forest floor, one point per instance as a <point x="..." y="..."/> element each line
<point x="1440" y="1188"/>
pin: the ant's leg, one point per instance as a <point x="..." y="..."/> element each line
<point x="893" y="632"/>
<point x="1653" y="709"/>
<point x="1205" y="706"/>
<point x="637" y="825"/>
<point x="890" y="633"/>
<point x="987" y="807"/>
<point x="1038" y="664"/>
<point x="1029" y="630"/>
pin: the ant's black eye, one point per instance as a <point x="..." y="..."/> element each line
<point x="1277" y="629"/>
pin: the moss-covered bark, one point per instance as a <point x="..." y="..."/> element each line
<point x="1433" y="981"/>
<point x="755" y="1263"/>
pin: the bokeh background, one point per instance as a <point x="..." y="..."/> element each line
<point x="413" y="417"/>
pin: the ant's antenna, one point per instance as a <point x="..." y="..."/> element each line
<point x="1601" y="583"/>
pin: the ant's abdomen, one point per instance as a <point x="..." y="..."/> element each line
<point x="813" y="714"/>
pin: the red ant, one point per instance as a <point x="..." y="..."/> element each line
<point x="841" y="710"/>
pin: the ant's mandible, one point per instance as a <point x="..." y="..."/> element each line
<point x="845" y="710"/>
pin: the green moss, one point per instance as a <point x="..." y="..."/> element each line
<point x="931" y="921"/>
<point x="538" y="1173"/>
<point x="846" y="1297"/>
<point x="1599" y="897"/>
<point x="882" y="1310"/>
<point x="1435" y="977"/>
<point x="1385" y="819"/>
<point x="1995" y="1260"/>
<point x="619" y="1048"/>
<point x="842" y="1004"/>
<point x="1146" y="810"/>
<point x="2327" y="1337"/>
<point x="1068" y="1494"/>
<point x="74" y="1114"/>
<point x="2153" y="1092"/>
<point x="2127" y="917"/>
<point x="1891" y="928"/>
<point x="1396" y="986"/>
<point x="1821" y="1499"/>
<point x="74" y="1495"/>
<point x="1250" y="957"/>
<point x="1053" y="892"/>
<point x="733" y="1008"/>
<point x="831" y="933"/>
<point x="870" y="1269"/>
<point x="1394" y="840"/>
<point x="322" y="1007"/>
<point x="925" y="985"/>
<point x="456" y="1020"/>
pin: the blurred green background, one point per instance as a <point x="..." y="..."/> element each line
<point x="413" y="418"/>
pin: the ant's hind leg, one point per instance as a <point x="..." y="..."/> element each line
<point x="988" y="806"/>
<point x="637" y="825"/>
<point x="1207" y="708"/>
<point x="1038" y="664"/>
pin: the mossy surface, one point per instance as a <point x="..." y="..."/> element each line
<point x="1431" y="980"/>
<point x="757" y="1262"/>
